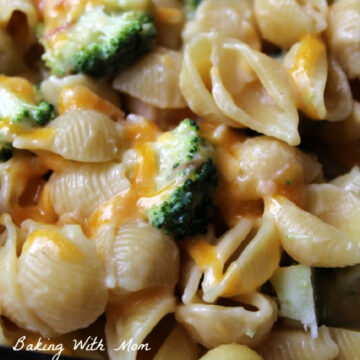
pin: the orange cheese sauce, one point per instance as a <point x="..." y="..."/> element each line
<point x="55" y="242"/>
<point x="124" y="207"/>
<point x="206" y="257"/>
<point x="77" y="97"/>
<point x="140" y="132"/>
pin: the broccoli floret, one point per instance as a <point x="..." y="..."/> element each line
<point x="18" y="110"/>
<point x="101" y="42"/>
<point x="34" y="115"/>
<point x="6" y="151"/>
<point x="187" y="179"/>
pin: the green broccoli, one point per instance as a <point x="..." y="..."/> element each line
<point x="186" y="181"/>
<point x="17" y="110"/>
<point x="101" y="42"/>
<point x="6" y="151"/>
<point x="34" y="115"/>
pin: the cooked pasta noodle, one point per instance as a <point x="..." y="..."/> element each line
<point x="285" y="22"/>
<point x="231" y="351"/>
<point x="133" y="318"/>
<point x="231" y="18"/>
<point x="212" y="325"/>
<point x="81" y="135"/>
<point x="348" y="342"/>
<point x="177" y="346"/>
<point x="343" y="34"/>
<point x="259" y="80"/>
<point x="137" y="257"/>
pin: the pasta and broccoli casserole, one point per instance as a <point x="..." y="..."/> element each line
<point x="179" y="178"/>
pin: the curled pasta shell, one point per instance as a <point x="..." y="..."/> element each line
<point x="225" y="80"/>
<point x="266" y="104"/>
<point x="294" y="344"/>
<point x="307" y="64"/>
<point x="137" y="256"/>
<point x="12" y="298"/>
<point x="338" y="97"/>
<point x="230" y="18"/>
<point x="284" y="22"/>
<point x="195" y="82"/>
<point x="230" y="352"/>
<point x="131" y="320"/>
<point x="177" y="346"/>
<point x="100" y="182"/>
<point x="62" y="277"/>
<point x="349" y="182"/>
<point x="336" y="207"/>
<point x="214" y="325"/>
<point x="311" y="241"/>
<point x="154" y="79"/>
<point x="343" y="35"/>
<point x="80" y="135"/>
<point x="348" y="342"/>
<point x="323" y="89"/>
<point x="256" y="264"/>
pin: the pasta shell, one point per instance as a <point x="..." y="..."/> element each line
<point x="137" y="256"/>
<point x="177" y="346"/>
<point x="283" y="22"/>
<point x="224" y="79"/>
<point x="266" y="103"/>
<point x="343" y="35"/>
<point x="62" y="277"/>
<point x="12" y="299"/>
<point x="309" y="240"/>
<point x="80" y="135"/>
<point x="131" y="320"/>
<point x="296" y="344"/>
<point x="256" y="264"/>
<point x="336" y="207"/>
<point x="230" y="18"/>
<point x="214" y="325"/>
<point x="230" y="352"/>
<point x="195" y="81"/>
<point x="307" y="64"/>
<point x="154" y="79"/>
<point x="323" y="89"/>
<point x="338" y="97"/>
<point x="349" y="182"/>
<point x="99" y="183"/>
<point x="348" y="342"/>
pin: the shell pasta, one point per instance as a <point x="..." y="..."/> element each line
<point x="179" y="179"/>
